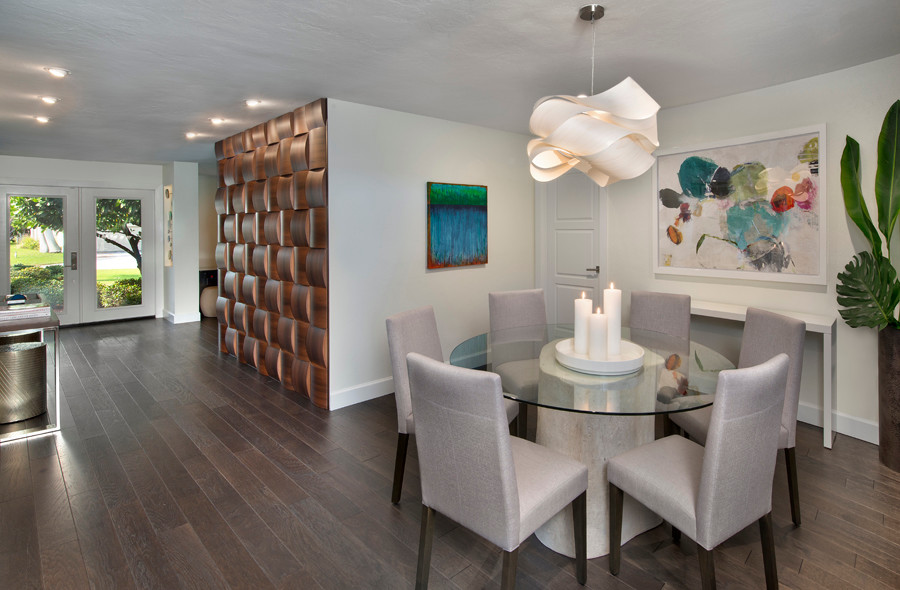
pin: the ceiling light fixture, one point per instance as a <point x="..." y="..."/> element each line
<point x="217" y="120"/>
<point x="252" y="102"/>
<point x="42" y="119"/>
<point x="50" y="99"/>
<point x="190" y="135"/>
<point x="608" y="136"/>
<point x="58" y="72"/>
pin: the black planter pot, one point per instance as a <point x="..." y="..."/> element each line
<point x="889" y="397"/>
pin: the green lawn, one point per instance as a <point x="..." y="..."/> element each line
<point x="117" y="274"/>
<point x="33" y="257"/>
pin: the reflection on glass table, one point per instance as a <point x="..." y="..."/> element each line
<point x="595" y="417"/>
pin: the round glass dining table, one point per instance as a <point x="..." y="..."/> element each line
<point x="595" y="417"/>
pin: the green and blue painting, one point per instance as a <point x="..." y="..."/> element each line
<point x="457" y="225"/>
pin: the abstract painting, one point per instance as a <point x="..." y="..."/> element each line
<point x="457" y="225"/>
<point x="751" y="208"/>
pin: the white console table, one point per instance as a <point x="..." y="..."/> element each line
<point x="819" y="324"/>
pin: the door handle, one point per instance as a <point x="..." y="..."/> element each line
<point x="596" y="269"/>
<point x="73" y="261"/>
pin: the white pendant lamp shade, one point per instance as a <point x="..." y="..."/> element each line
<point x="609" y="136"/>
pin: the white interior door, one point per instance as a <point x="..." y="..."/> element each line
<point x="39" y="242"/>
<point x="575" y="218"/>
<point x="117" y="272"/>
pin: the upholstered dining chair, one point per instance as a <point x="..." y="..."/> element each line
<point x="711" y="493"/>
<point x="517" y="309"/>
<point x="500" y="487"/>
<point x="413" y="331"/>
<point x="765" y="335"/>
<point x="661" y="312"/>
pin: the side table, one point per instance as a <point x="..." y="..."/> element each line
<point x="48" y="421"/>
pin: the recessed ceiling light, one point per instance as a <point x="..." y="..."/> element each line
<point x="252" y="102"/>
<point x="50" y="99"/>
<point x="217" y="120"/>
<point x="42" y="119"/>
<point x="190" y="135"/>
<point x="58" y="72"/>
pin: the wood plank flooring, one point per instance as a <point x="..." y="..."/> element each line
<point x="179" y="468"/>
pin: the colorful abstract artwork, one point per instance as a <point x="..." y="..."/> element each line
<point x="457" y="225"/>
<point x="752" y="208"/>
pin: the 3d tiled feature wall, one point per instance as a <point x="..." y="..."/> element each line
<point x="272" y="255"/>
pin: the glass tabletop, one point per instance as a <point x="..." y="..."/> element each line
<point x="677" y="375"/>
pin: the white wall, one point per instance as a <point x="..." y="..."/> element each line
<point x="207" y="234"/>
<point x="51" y="172"/>
<point x="379" y="163"/>
<point x="850" y="102"/>
<point x="181" y="289"/>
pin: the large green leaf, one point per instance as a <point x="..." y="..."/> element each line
<point x="869" y="291"/>
<point x="853" y="197"/>
<point x="887" y="178"/>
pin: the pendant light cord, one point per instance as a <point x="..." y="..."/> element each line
<point x="593" y="51"/>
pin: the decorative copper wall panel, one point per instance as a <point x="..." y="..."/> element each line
<point x="272" y="255"/>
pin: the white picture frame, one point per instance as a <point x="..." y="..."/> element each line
<point x="751" y="208"/>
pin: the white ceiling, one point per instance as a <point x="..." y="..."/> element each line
<point x="144" y="72"/>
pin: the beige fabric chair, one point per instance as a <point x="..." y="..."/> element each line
<point x="711" y="493"/>
<point x="473" y="472"/>
<point x="413" y="331"/>
<point x="661" y="312"/>
<point x="517" y="364"/>
<point x="765" y="335"/>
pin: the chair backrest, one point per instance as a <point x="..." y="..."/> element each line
<point x="765" y="335"/>
<point x="410" y="331"/>
<point x="513" y="309"/>
<point x="465" y="460"/>
<point x="661" y="312"/>
<point x="741" y="448"/>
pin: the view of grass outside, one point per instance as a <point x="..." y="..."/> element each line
<point x="118" y="271"/>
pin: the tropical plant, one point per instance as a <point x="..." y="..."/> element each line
<point x="869" y="289"/>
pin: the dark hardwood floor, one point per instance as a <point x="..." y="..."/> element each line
<point x="178" y="467"/>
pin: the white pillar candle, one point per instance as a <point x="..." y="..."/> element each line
<point x="612" y="304"/>
<point x="583" y="309"/>
<point x="599" y="337"/>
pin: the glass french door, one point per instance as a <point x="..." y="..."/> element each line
<point x="82" y="249"/>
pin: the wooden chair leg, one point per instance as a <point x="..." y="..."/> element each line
<point x="616" y="498"/>
<point x="399" y="466"/>
<point x="790" y="460"/>
<point x="579" y="517"/>
<point x="767" y="537"/>
<point x="426" y="536"/>
<point x="676" y="535"/>
<point x="707" y="568"/>
<point x="522" y="421"/>
<point x="510" y="561"/>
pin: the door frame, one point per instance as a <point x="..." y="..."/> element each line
<point x="541" y="239"/>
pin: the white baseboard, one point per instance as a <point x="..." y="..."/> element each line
<point x="360" y="393"/>
<point x="866" y="430"/>
<point x="182" y="318"/>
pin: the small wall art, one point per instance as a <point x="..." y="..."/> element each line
<point x="457" y="225"/>
<point x="749" y="208"/>
<point x="170" y="227"/>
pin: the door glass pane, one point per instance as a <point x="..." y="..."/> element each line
<point x="37" y="243"/>
<point x="118" y="252"/>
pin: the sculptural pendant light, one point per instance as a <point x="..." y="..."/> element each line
<point x="609" y="136"/>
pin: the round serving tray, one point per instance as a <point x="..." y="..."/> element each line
<point x="630" y="359"/>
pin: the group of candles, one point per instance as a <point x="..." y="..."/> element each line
<point x="599" y="335"/>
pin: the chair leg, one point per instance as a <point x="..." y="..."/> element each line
<point x="790" y="460"/>
<point x="676" y="535"/>
<point x="616" y="498"/>
<point x="399" y="466"/>
<point x="707" y="568"/>
<point x="510" y="561"/>
<point x="522" y="421"/>
<point x="768" y="548"/>
<point x="579" y="517"/>
<point x="425" y="538"/>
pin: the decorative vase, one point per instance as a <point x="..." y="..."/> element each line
<point x="889" y="397"/>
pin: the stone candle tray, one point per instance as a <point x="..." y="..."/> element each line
<point x="630" y="359"/>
